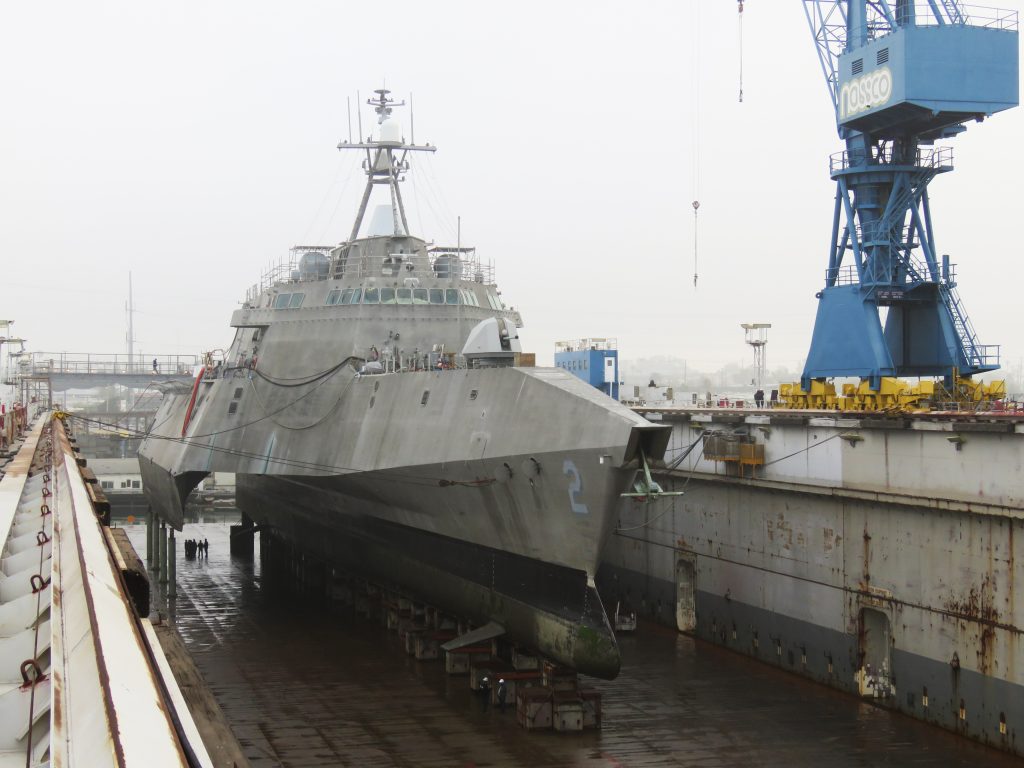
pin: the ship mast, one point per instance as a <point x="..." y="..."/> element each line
<point x="386" y="161"/>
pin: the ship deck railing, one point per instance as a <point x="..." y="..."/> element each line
<point x="446" y="264"/>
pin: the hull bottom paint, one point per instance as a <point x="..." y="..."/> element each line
<point x="553" y="609"/>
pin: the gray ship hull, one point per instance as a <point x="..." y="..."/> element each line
<point x="491" y="497"/>
<point x="544" y="606"/>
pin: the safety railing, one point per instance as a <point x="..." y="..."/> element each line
<point x="969" y="15"/>
<point x="446" y="264"/>
<point x="986" y="354"/>
<point x="50" y="363"/>
<point x="926" y="13"/>
<point x="930" y="158"/>
<point x="896" y="271"/>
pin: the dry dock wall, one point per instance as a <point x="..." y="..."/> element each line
<point x="884" y="566"/>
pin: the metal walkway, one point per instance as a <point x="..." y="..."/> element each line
<point x="80" y="674"/>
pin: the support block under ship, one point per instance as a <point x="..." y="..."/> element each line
<point x="370" y="406"/>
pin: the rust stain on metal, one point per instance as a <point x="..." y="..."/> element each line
<point x="979" y="604"/>
<point x="1010" y="569"/>
<point x="56" y="707"/>
<point x="867" y="557"/>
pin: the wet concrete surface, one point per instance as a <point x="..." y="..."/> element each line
<point x="309" y="686"/>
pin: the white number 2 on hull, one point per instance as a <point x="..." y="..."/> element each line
<point x="575" y="486"/>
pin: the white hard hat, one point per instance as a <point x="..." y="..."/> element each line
<point x="501" y="680"/>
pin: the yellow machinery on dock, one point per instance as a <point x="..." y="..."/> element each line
<point x="964" y="394"/>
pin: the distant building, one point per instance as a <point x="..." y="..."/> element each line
<point x="123" y="476"/>
<point x="596" y="361"/>
<point x="117" y="475"/>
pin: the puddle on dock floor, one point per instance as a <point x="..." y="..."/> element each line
<point x="302" y="687"/>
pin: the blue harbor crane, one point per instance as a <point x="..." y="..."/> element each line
<point x="902" y="75"/>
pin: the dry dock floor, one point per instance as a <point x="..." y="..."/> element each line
<point x="307" y="687"/>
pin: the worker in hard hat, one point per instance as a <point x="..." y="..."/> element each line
<point x="502" y="693"/>
<point x="485" y="691"/>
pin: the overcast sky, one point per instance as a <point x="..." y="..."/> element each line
<point x="193" y="142"/>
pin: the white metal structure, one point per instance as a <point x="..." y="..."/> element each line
<point x="756" y="336"/>
<point x="79" y="684"/>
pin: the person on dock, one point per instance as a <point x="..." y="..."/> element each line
<point x="206" y="548"/>
<point x="502" y="693"/>
<point x="485" y="691"/>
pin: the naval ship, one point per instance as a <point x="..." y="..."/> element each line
<point x="372" y="408"/>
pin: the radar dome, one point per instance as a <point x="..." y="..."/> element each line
<point x="391" y="131"/>
<point x="313" y="265"/>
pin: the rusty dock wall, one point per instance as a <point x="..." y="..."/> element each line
<point x="875" y="555"/>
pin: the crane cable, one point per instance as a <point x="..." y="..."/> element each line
<point x="695" y="152"/>
<point x="741" y="47"/>
<point x="696" y="205"/>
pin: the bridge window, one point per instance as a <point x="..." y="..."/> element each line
<point x="371" y="296"/>
<point x="420" y="296"/>
<point x="333" y="296"/>
<point x="451" y="296"/>
<point x="437" y="296"/>
<point x="404" y="295"/>
<point x="387" y="295"/>
<point x="289" y="300"/>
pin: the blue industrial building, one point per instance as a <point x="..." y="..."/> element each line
<point x="596" y="361"/>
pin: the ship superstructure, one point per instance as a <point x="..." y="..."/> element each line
<point x="371" y="407"/>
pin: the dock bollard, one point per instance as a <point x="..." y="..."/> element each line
<point x="172" y="564"/>
<point x="162" y="557"/>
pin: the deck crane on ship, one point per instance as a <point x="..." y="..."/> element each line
<point x="901" y="75"/>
